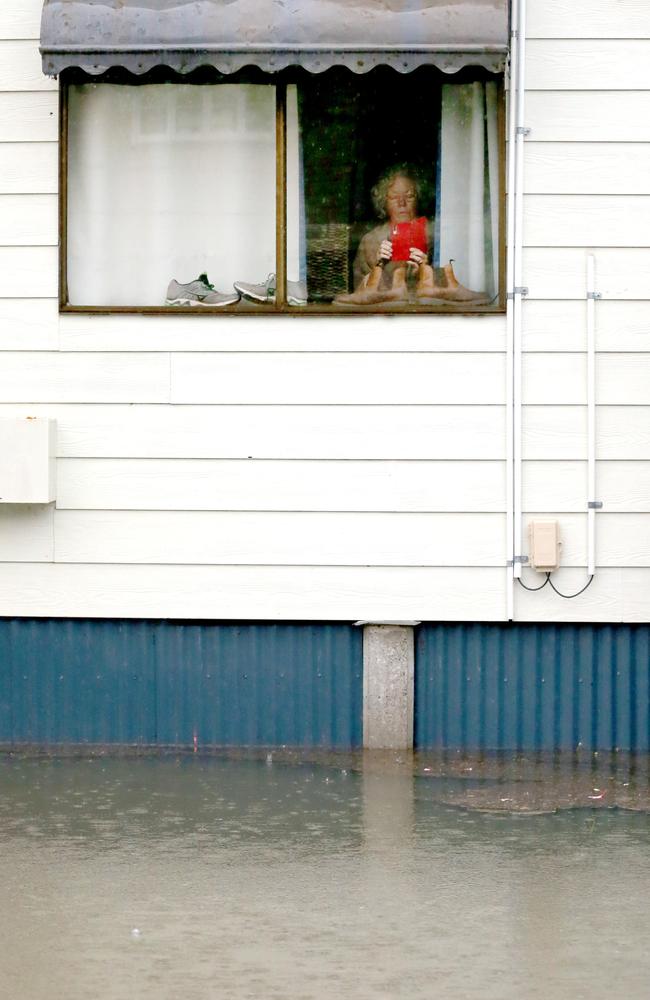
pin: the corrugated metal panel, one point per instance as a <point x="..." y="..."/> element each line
<point x="230" y="34"/>
<point x="131" y="682"/>
<point x="533" y="687"/>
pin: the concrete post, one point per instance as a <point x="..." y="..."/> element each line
<point x="388" y="679"/>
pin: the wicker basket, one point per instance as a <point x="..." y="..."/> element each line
<point x="328" y="260"/>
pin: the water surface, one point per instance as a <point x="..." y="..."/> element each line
<point x="306" y="879"/>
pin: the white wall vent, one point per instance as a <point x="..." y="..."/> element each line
<point x="27" y="460"/>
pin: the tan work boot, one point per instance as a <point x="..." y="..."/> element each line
<point x="443" y="284"/>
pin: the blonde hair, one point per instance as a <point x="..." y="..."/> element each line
<point x="379" y="192"/>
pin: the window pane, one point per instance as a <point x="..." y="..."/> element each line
<point x="393" y="190"/>
<point x="169" y="181"/>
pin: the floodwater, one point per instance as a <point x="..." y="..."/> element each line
<point x="331" y="878"/>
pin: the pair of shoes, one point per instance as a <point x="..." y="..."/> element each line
<point x="265" y="291"/>
<point x="198" y="293"/>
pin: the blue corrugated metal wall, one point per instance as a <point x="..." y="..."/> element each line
<point x="533" y="687"/>
<point x="130" y="682"/>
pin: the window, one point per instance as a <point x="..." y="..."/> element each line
<point x="258" y="193"/>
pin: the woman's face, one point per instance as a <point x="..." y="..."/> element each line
<point x="401" y="200"/>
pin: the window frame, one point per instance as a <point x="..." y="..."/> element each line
<point x="280" y="307"/>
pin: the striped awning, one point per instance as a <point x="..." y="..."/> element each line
<point x="138" y="35"/>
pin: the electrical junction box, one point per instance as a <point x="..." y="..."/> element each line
<point x="27" y="460"/>
<point x="544" y="545"/>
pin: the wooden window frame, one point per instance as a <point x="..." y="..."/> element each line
<point x="280" y="306"/>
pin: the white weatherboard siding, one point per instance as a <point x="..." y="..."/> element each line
<point x="343" y="469"/>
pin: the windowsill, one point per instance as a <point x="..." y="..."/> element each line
<point x="251" y="309"/>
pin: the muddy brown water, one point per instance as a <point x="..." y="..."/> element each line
<point x="315" y="877"/>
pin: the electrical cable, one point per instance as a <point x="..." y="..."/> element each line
<point x="569" y="597"/>
<point x="533" y="590"/>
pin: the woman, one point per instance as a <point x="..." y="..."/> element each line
<point x="392" y="262"/>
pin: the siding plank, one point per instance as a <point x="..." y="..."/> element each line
<point x="441" y="333"/>
<point x="26" y="532"/>
<point x="158" y="484"/>
<point x="29" y="325"/>
<point x="562" y="378"/>
<point x="20" y="67"/>
<point x="29" y="220"/>
<point x="587" y="220"/>
<point x="29" y="117"/>
<point x="244" y="592"/>
<point x="20" y="18"/>
<point x="624" y="487"/>
<point x="587" y="168"/>
<point x="317" y="432"/>
<point x="588" y="116"/>
<point x="592" y="18"/>
<point x="337" y="378"/>
<point x="587" y="64"/>
<point x="552" y="273"/>
<point x="622" y="539"/>
<point x="562" y="326"/>
<point x="298" y="539"/>
<point x="29" y="168"/>
<point x="95" y="378"/>
<point x="560" y="432"/>
<point x="29" y="272"/>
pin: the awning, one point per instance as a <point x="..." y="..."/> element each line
<point x="95" y="35"/>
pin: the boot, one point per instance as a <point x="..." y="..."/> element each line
<point x="443" y="284"/>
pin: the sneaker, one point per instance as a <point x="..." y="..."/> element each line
<point x="265" y="292"/>
<point x="198" y="293"/>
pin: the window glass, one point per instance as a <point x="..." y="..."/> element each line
<point x="171" y="190"/>
<point x="392" y="191"/>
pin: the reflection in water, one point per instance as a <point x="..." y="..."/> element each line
<point x="323" y="877"/>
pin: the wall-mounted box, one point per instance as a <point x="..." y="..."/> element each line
<point x="544" y="545"/>
<point x="27" y="460"/>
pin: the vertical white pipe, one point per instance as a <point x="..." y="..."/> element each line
<point x="510" y="287"/>
<point x="518" y="277"/>
<point x="591" y="414"/>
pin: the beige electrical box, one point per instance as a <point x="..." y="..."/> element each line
<point x="27" y="460"/>
<point x="544" y="545"/>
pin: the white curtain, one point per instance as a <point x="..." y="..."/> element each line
<point x="168" y="181"/>
<point x="467" y="211"/>
<point x="296" y="213"/>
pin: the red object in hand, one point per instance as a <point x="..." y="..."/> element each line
<point x="405" y="235"/>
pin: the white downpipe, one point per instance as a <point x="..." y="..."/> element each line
<point x="591" y="414"/>
<point x="510" y="314"/>
<point x="518" y="276"/>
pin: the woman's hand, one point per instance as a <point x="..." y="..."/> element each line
<point x="417" y="256"/>
<point x="385" y="251"/>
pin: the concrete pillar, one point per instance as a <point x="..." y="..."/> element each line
<point x="388" y="678"/>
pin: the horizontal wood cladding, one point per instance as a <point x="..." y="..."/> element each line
<point x="20" y="18"/>
<point x="29" y="220"/>
<point x="443" y="333"/>
<point x="252" y="592"/>
<point x="318" y="432"/>
<point x="20" y="67"/>
<point x="587" y="220"/>
<point x="415" y="486"/>
<point x="559" y="273"/>
<point x="29" y="117"/>
<point x="588" y="19"/>
<point x="331" y="432"/>
<point x="300" y="539"/>
<point x="319" y="539"/>
<point x="614" y="595"/>
<point x="582" y="168"/>
<point x="93" y="378"/>
<point x="548" y="325"/>
<point x="588" y="116"/>
<point x="337" y="378"/>
<point x="587" y="64"/>
<point x="28" y="168"/>
<point x="26" y="533"/>
<point x="29" y="272"/>
<point x="163" y="484"/>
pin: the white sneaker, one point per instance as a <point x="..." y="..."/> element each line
<point x="265" y="291"/>
<point x="198" y="293"/>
